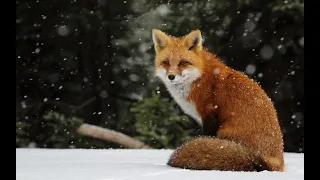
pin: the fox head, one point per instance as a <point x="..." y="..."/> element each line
<point x="178" y="59"/>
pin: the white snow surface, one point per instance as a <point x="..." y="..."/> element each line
<point x="126" y="164"/>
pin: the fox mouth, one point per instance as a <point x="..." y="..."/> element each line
<point x="175" y="82"/>
<point x="181" y="80"/>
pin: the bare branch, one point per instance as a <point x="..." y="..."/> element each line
<point x="110" y="135"/>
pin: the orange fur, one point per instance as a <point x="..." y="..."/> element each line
<point x="247" y="126"/>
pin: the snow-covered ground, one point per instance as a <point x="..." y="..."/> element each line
<point x="84" y="164"/>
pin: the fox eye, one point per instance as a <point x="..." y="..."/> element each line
<point x="183" y="63"/>
<point x="165" y="62"/>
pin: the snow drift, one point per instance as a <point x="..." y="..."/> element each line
<point x="107" y="164"/>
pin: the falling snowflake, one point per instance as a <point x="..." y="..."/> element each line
<point x="37" y="50"/>
<point x="266" y="52"/>
<point x="23" y="104"/>
<point x="301" y="41"/>
<point x="103" y="94"/>
<point x="250" y="69"/>
<point x="216" y="71"/>
<point x="63" y="30"/>
<point x="249" y="25"/>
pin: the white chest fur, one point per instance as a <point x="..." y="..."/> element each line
<point x="179" y="92"/>
<point x="179" y="89"/>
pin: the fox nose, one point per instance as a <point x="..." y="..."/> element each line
<point x="171" y="77"/>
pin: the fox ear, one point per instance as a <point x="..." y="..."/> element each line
<point x="160" y="40"/>
<point x="194" y="40"/>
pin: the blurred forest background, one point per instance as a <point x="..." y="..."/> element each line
<point x="91" y="61"/>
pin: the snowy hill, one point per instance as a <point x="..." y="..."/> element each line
<point x="84" y="164"/>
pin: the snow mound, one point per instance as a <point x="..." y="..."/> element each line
<point x="106" y="164"/>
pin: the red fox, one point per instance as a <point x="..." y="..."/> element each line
<point x="241" y="131"/>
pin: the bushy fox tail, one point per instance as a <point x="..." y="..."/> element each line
<point x="208" y="153"/>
